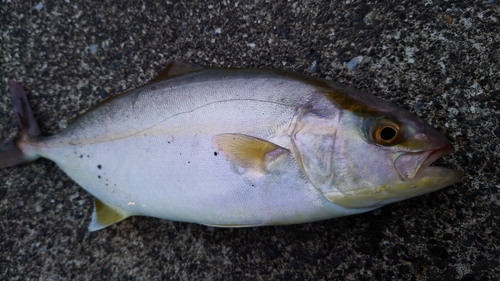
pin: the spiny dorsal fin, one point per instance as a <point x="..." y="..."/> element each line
<point x="247" y="151"/>
<point x="105" y="215"/>
<point x="175" y="68"/>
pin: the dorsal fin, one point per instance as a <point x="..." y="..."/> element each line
<point x="175" y="68"/>
<point x="105" y="215"/>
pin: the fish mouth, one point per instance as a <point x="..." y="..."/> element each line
<point x="411" y="166"/>
<point x="431" y="178"/>
<point x="431" y="158"/>
<point x="417" y="175"/>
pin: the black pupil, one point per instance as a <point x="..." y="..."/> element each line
<point x="387" y="133"/>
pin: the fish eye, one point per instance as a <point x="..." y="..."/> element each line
<point x="386" y="132"/>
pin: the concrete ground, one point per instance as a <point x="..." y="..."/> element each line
<point x="439" y="59"/>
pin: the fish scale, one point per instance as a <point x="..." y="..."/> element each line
<point x="236" y="148"/>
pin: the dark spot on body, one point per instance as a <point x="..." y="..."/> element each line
<point x="153" y="88"/>
<point x="215" y="153"/>
<point x="99" y="166"/>
<point x="99" y="176"/>
<point x="81" y="155"/>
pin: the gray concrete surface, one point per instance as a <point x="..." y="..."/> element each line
<point x="439" y="59"/>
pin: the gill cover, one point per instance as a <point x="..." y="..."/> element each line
<point x="313" y="141"/>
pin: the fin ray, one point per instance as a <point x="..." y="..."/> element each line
<point x="24" y="116"/>
<point x="11" y="155"/>
<point x="247" y="151"/>
<point x="175" y="68"/>
<point x="233" y="225"/>
<point x="105" y="215"/>
<point x="10" y="152"/>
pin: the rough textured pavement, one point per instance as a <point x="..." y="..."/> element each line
<point x="439" y="59"/>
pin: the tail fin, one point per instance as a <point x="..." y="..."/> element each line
<point x="11" y="153"/>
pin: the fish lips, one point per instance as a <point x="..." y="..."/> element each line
<point x="412" y="166"/>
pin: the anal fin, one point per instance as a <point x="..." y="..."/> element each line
<point x="105" y="215"/>
<point x="233" y="225"/>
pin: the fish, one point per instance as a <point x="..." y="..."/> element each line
<point x="229" y="147"/>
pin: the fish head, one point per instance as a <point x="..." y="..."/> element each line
<point x="375" y="155"/>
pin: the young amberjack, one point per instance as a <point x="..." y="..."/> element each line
<point x="238" y="147"/>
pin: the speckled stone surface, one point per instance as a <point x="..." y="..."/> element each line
<point x="439" y="59"/>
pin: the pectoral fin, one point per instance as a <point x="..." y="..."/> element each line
<point x="105" y="215"/>
<point x="248" y="152"/>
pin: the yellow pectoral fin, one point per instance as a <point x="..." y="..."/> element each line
<point x="247" y="151"/>
<point x="105" y="215"/>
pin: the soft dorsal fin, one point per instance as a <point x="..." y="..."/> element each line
<point x="105" y="215"/>
<point x="175" y="68"/>
<point x="247" y="151"/>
